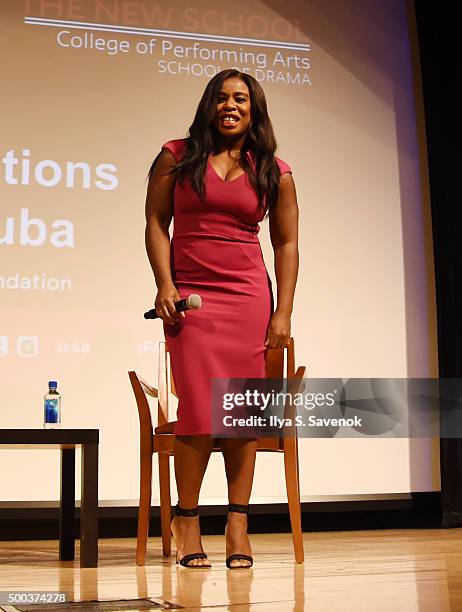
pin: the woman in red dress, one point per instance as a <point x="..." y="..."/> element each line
<point x="217" y="185"/>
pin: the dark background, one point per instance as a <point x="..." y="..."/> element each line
<point x="439" y="67"/>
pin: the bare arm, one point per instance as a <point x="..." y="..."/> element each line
<point x="283" y="224"/>
<point x="159" y="213"/>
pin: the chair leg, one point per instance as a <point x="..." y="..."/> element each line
<point x="293" y="495"/>
<point x="165" y="503"/>
<point x="144" y="507"/>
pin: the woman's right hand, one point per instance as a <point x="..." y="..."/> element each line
<point x="164" y="304"/>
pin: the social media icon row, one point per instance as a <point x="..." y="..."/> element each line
<point x="25" y="346"/>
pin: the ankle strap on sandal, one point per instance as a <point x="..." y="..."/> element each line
<point x="238" y="508"/>
<point x="179" y="511"/>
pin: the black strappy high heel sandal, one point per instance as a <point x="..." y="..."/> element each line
<point x="245" y="510"/>
<point x="179" y="511"/>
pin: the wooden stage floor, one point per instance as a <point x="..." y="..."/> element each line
<point x="384" y="570"/>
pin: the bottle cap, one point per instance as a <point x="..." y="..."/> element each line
<point x="52" y="384"/>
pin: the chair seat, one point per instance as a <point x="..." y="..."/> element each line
<point x="268" y="444"/>
<point x="165" y="428"/>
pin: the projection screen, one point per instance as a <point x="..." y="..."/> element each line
<point x="92" y="89"/>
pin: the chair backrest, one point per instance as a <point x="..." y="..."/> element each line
<point x="274" y="368"/>
<point x="141" y="388"/>
<point x="274" y="361"/>
<point x="274" y="364"/>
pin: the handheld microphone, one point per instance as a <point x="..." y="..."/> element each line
<point x="193" y="301"/>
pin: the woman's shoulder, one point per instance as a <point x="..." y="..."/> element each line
<point x="176" y="147"/>
<point x="283" y="166"/>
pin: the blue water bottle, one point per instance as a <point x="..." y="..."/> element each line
<point x="52" y="407"/>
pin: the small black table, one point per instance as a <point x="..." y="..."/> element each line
<point x="67" y="440"/>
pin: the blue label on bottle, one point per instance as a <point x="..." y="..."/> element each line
<point x="52" y="411"/>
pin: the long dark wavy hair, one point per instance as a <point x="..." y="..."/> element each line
<point x="260" y="142"/>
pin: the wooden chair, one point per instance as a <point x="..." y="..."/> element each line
<point x="161" y="441"/>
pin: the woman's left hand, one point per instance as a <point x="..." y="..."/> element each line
<point x="278" y="332"/>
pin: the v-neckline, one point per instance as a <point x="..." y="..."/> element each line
<point x="221" y="178"/>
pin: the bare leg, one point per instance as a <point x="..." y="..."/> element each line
<point x="191" y="456"/>
<point x="239" y="455"/>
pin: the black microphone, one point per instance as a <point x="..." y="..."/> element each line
<point x="193" y="301"/>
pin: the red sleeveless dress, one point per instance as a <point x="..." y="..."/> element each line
<point x="215" y="252"/>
